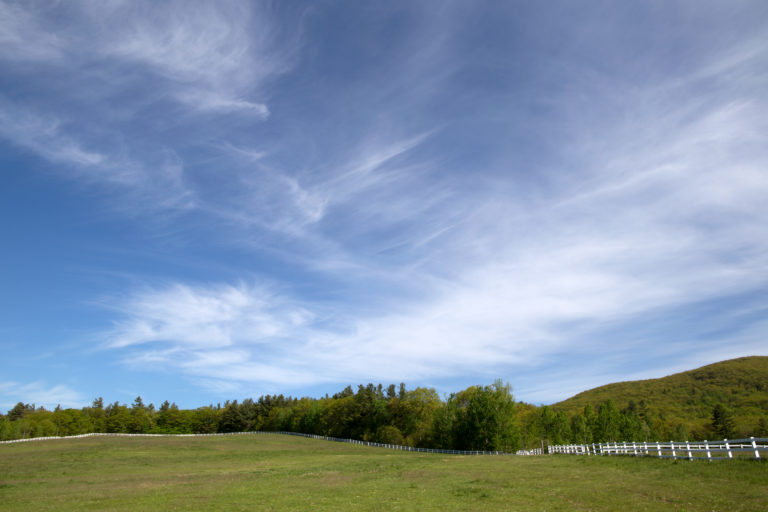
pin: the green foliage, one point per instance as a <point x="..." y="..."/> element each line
<point x="232" y="419"/>
<point x="722" y="422"/>
<point x="140" y="421"/>
<point x="728" y="399"/>
<point x="20" y="410"/>
<point x="5" y="429"/>
<point x="171" y="420"/>
<point x="608" y="423"/>
<point x="687" y="399"/>
<point x="484" y="418"/>
<point x="117" y="418"/>
<point x="204" y="420"/>
<point x="389" y="434"/>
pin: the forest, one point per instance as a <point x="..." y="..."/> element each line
<point x="477" y="418"/>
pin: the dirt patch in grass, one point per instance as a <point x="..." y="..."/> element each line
<point x="334" y="479"/>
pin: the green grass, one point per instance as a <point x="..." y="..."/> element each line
<point x="272" y="472"/>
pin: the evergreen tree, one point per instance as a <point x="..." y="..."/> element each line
<point x="232" y="419"/>
<point x="20" y="410"/>
<point x="681" y="433"/>
<point x="722" y="422"/>
<point x="608" y="424"/>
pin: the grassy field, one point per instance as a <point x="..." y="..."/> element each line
<point x="272" y="472"/>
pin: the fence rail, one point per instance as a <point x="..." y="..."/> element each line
<point x="709" y="450"/>
<point x="537" y="451"/>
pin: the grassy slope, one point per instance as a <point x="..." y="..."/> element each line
<point x="740" y="384"/>
<point x="287" y="473"/>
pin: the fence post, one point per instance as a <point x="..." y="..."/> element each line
<point x="658" y="448"/>
<point x="728" y="448"/>
<point x="672" y="445"/>
<point x="688" y="447"/>
<point x="754" y="446"/>
<point x="709" y="454"/>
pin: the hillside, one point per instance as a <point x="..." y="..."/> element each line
<point x="740" y="384"/>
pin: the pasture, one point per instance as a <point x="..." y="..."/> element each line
<point x="273" y="472"/>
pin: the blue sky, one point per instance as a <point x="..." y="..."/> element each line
<point x="219" y="200"/>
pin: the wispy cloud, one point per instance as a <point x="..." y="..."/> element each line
<point x="206" y="317"/>
<point x="460" y="201"/>
<point x="116" y="61"/>
<point x="43" y="135"/>
<point x="297" y="202"/>
<point x="22" y="38"/>
<point x="155" y="184"/>
<point x="40" y="394"/>
<point x="215" y="54"/>
<point x="213" y="102"/>
<point x="667" y="214"/>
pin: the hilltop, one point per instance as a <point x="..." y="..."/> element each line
<point x="741" y="385"/>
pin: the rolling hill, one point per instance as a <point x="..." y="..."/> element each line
<point x="687" y="398"/>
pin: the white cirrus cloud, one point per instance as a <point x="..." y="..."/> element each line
<point x="195" y="318"/>
<point x="155" y="183"/>
<point x="214" y="54"/>
<point x="117" y="64"/>
<point x="43" y="135"/>
<point x="39" y="394"/>
<point x="663" y="213"/>
<point x="22" y="38"/>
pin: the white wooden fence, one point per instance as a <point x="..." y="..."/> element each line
<point x="537" y="451"/>
<point x="709" y="450"/>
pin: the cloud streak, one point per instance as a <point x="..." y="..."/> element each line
<point x="461" y="202"/>
<point x="215" y="54"/>
<point x="156" y="185"/>
<point x="40" y="394"/>
<point x="211" y="60"/>
<point x="17" y="26"/>
<point x="667" y="215"/>
<point x="218" y="316"/>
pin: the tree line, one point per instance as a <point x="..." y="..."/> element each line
<point x="477" y="418"/>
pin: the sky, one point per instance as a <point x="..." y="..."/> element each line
<point x="208" y="201"/>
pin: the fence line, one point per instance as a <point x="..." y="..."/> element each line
<point x="673" y="449"/>
<point x="536" y="451"/>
